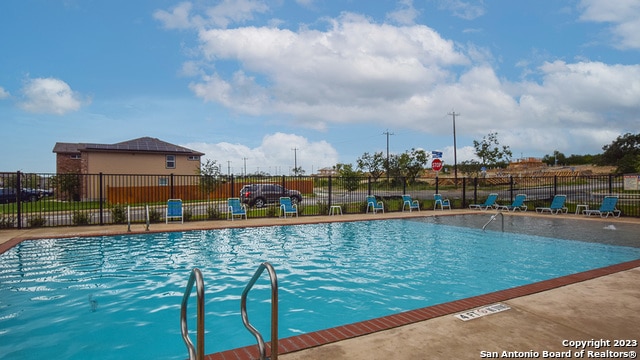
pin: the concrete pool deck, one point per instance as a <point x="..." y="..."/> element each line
<point x="602" y="304"/>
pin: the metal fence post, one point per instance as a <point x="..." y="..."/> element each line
<point x="171" y="194"/>
<point x="101" y="199"/>
<point x="330" y="190"/>
<point x="511" y="188"/>
<point x="464" y="192"/>
<point x="19" y="198"/>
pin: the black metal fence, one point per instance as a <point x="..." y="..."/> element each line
<point x="37" y="200"/>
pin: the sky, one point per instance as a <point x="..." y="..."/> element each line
<point x="266" y="85"/>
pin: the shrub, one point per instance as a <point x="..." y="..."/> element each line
<point x="118" y="214"/>
<point x="187" y="214"/>
<point x="36" y="221"/>
<point x="213" y="213"/>
<point x="81" y="218"/>
<point x="323" y="207"/>
<point x="7" y="222"/>
<point x="273" y="211"/>
<point x="155" y="216"/>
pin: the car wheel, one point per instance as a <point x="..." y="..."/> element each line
<point x="259" y="202"/>
<point x="295" y="200"/>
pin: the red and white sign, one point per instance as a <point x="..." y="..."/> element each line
<point x="436" y="164"/>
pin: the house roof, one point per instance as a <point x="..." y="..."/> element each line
<point x="143" y="144"/>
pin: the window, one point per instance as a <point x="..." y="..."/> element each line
<point x="75" y="156"/>
<point x="193" y="158"/>
<point x="171" y="161"/>
<point x="163" y="181"/>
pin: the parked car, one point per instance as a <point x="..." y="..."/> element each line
<point x="8" y="195"/>
<point x="259" y="195"/>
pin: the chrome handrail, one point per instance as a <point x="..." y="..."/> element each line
<point x="196" y="276"/>
<point x="274" y="311"/>
<point x="493" y="217"/>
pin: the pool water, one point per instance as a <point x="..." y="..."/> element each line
<point x="119" y="296"/>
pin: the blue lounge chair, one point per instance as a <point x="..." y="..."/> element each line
<point x="286" y="207"/>
<point x="557" y="205"/>
<point x="407" y="201"/>
<point x="608" y="207"/>
<point x="174" y="211"/>
<point x="236" y="208"/>
<point x="490" y="202"/>
<point x="517" y="204"/>
<point x="374" y="204"/>
<point x="439" y="200"/>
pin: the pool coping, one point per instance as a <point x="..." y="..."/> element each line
<point x="354" y="330"/>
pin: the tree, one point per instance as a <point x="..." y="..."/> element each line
<point x="470" y="168"/>
<point x="350" y="177"/>
<point x="209" y="175"/>
<point x="490" y="152"/>
<point x="298" y="171"/>
<point x="373" y="164"/>
<point x="557" y="158"/>
<point x="624" y="153"/>
<point x="408" y="165"/>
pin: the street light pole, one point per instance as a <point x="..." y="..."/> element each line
<point x="455" y="156"/>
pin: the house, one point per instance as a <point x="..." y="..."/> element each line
<point x="144" y="155"/>
<point x="144" y="167"/>
<point x="327" y="171"/>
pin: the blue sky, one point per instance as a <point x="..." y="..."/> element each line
<point x="249" y="81"/>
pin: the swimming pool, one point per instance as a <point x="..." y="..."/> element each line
<point x="111" y="297"/>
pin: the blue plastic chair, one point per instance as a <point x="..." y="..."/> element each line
<point x="556" y="207"/>
<point x="174" y="211"/>
<point x="517" y="204"/>
<point x="407" y="201"/>
<point x="608" y="207"/>
<point x="374" y="204"/>
<point x="286" y="207"/>
<point x="439" y="200"/>
<point x="490" y="202"/>
<point x="236" y="208"/>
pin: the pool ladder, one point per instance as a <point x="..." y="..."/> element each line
<point x="274" y="312"/>
<point x="196" y="277"/>
<point x="493" y="217"/>
<point x="194" y="354"/>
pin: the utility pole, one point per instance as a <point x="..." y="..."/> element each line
<point x="295" y="161"/>
<point x="245" y="166"/>
<point x="455" y="156"/>
<point x="228" y="167"/>
<point x="387" y="167"/>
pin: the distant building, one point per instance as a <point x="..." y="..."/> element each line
<point x="144" y="155"/>
<point x="526" y="164"/>
<point x="140" y="166"/>
<point x="327" y="171"/>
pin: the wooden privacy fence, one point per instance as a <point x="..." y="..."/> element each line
<point x="157" y="193"/>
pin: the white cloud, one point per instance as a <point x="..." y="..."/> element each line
<point x="223" y="14"/>
<point x="4" y="93"/>
<point x="275" y="155"/>
<point x="464" y="9"/>
<point x="624" y="15"/>
<point x="358" y="71"/>
<point x="49" y="95"/>
<point x="405" y="14"/>
<point x="178" y="18"/>
<point x="354" y="71"/>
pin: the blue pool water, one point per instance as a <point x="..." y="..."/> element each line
<point x="119" y="297"/>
